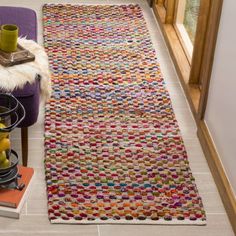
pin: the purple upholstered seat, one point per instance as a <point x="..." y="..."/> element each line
<point x="23" y="17"/>
<point x="26" y="20"/>
<point x="29" y="98"/>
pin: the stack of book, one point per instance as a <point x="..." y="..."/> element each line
<point x="12" y="200"/>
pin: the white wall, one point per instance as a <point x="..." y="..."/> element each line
<point x="220" y="114"/>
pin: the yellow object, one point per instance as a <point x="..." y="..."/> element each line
<point x="3" y="134"/>
<point x="5" y="164"/>
<point x="9" y="35"/>
<point x="4" y="144"/>
<point x="3" y="156"/>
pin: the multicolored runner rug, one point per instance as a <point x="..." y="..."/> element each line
<point x="114" y="152"/>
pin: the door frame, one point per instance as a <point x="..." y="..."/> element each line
<point x="195" y="75"/>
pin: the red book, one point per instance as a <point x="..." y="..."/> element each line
<point x="13" y="197"/>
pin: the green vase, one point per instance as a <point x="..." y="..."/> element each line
<point x="8" y="40"/>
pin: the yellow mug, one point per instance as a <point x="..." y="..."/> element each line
<point x="8" y="39"/>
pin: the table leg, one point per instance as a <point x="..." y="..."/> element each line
<point x="24" y="145"/>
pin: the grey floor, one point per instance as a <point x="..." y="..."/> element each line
<point x="34" y="221"/>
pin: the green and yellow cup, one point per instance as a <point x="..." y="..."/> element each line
<point x="8" y="39"/>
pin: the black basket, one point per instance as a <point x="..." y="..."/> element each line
<point x="11" y="112"/>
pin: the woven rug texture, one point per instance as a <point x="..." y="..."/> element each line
<point x="114" y="152"/>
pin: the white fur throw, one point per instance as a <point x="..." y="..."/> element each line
<point x="16" y="76"/>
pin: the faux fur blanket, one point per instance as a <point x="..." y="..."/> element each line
<point x="16" y="76"/>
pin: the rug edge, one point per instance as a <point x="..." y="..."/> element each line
<point x="136" y="222"/>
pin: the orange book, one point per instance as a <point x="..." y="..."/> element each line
<point x="13" y="197"/>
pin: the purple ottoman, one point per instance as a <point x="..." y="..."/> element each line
<point x="26" y="20"/>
